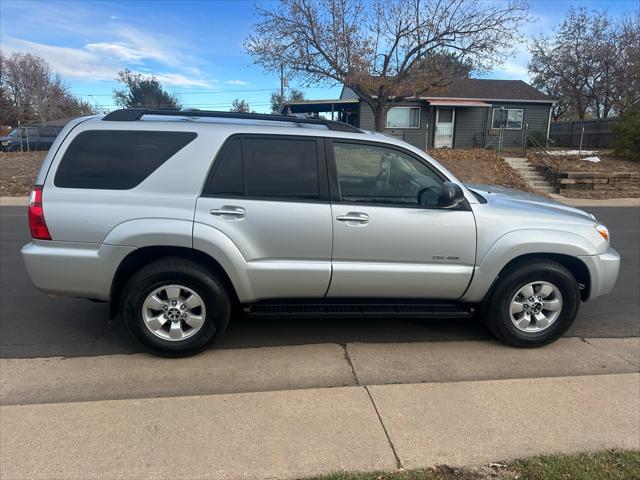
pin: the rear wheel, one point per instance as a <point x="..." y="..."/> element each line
<point x="532" y="304"/>
<point x="174" y="307"/>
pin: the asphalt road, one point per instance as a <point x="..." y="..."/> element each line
<point x="33" y="324"/>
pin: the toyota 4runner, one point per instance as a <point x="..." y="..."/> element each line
<point x="180" y="217"/>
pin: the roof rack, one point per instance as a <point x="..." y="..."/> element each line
<point x="133" y="114"/>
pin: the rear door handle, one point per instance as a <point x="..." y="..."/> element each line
<point x="358" y="217"/>
<point x="229" y="211"/>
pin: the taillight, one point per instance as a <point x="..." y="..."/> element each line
<point x="38" y="227"/>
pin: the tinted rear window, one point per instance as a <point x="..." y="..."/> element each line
<point x="281" y="168"/>
<point x="266" y="167"/>
<point x="117" y="159"/>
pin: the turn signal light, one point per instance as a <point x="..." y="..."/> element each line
<point x="603" y="231"/>
<point x="37" y="225"/>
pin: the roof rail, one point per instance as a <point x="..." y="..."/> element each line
<point x="133" y="114"/>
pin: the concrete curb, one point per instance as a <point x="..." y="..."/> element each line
<point x="592" y="202"/>
<point x="14" y="201"/>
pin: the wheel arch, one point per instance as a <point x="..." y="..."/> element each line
<point x="577" y="267"/>
<point x="140" y="257"/>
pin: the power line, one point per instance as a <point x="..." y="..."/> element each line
<point x="205" y="92"/>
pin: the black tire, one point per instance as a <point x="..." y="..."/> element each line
<point x="182" y="272"/>
<point x="496" y="311"/>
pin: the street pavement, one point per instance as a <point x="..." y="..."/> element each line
<point x="33" y="324"/>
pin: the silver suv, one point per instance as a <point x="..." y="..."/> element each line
<point x="180" y="217"/>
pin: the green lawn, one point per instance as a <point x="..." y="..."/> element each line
<point x="606" y="465"/>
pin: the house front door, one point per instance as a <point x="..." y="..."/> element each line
<point x="445" y="118"/>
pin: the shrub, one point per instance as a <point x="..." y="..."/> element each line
<point x="627" y="134"/>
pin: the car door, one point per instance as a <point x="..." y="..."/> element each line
<point x="387" y="244"/>
<point x="269" y="196"/>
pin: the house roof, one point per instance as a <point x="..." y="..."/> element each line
<point x="480" y="89"/>
<point x="485" y="89"/>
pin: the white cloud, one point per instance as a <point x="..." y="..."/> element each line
<point x="98" y="61"/>
<point x="180" y="80"/>
<point x="69" y="62"/>
<point x="117" y="50"/>
<point x="236" y="82"/>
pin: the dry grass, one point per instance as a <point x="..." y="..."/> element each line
<point x="608" y="163"/>
<point x="480" y="166"/>
<point x="18" y="172"/>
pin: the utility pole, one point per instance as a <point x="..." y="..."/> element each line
<point x="281" y="88"/>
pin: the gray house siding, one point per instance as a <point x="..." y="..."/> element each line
<point x="470" y="123"/>
<point x="347" y="94"/>
<point x="415" y="136"/>
<point x="536" y="116"/>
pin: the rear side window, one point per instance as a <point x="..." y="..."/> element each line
<point x="227" y="178"/>
<point x="117" y="159"/>
<point x="266" y="167"/>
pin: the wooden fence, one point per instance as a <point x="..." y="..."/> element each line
<point x="598" y="133"/>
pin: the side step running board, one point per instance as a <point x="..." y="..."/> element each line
<point x="359" y="310"/>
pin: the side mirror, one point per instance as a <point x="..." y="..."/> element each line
<point x="451" y="195"/>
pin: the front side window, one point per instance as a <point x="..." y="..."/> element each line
<point x="116" y="159"/>
<point x="267" y="168"/>
<point x="509" y="118"/>
<point x="403" y="117"/>
<point x="372" y="174"/>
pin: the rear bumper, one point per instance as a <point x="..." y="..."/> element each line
<point x="73" y="269"/>
<point x="603" y="270"/>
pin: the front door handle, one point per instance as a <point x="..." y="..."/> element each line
<point x="357" y="217"/>
<point x="229" y="211"/>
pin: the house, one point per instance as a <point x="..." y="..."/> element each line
<point x="469" y="113"/>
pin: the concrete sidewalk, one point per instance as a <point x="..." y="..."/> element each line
<point x="298" y="433"/>
<point x="56" y="379"/>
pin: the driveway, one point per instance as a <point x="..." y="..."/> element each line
<point x="35" y="325"/>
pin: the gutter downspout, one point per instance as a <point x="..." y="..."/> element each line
<point x="549" y="123"/>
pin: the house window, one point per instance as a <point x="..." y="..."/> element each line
<point x="509" y="118"/>
<point x="403" y="117"/>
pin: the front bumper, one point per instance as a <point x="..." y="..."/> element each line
<point x="73" y="269"/>
<point x="603" y="270"/>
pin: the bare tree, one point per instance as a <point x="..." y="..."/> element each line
<point x="29" y="91"/>
<point x="385" y="50"/>
<point x="239" y="105"/>
<point x="589" y="65"/>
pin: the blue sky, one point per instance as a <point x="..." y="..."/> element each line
<point x="193" y="47"/>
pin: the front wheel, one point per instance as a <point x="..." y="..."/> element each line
<point x="532" y="304"/>
<point x="175" y="307"/>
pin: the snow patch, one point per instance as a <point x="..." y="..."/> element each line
<point x="572" y="152"/>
